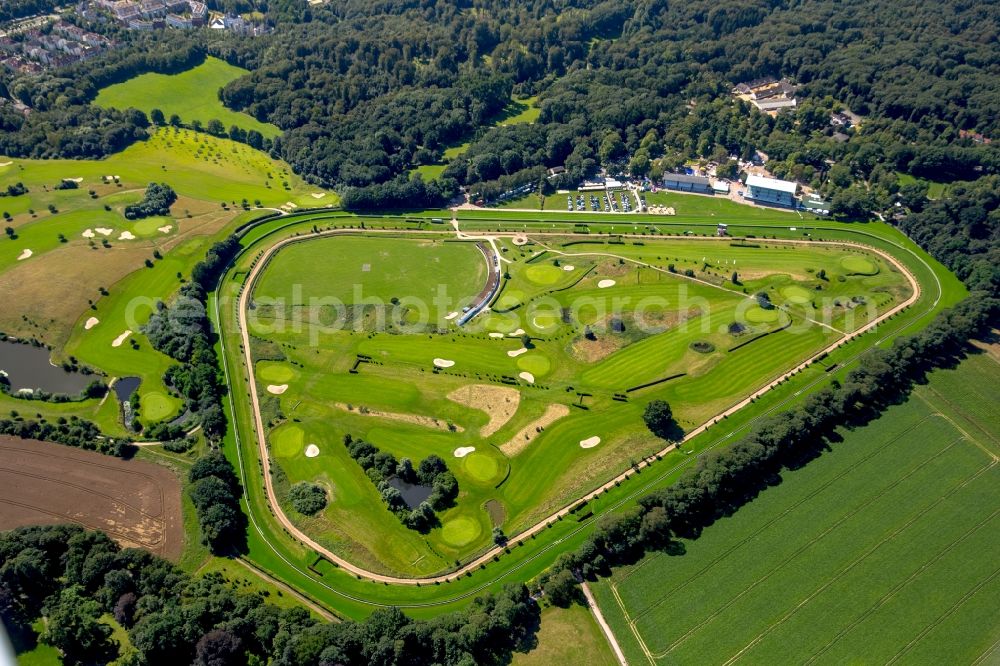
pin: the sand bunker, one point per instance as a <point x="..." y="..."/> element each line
<point x="463" y="451"/>
<point x="527" y="376"/>
<point x="91" y="323"/>
<point x="416" y="419"/>
<point x="590" y="442"/>
<point x="516" y="333"/>
<point x="517" y="352"/>
<point x="318" y="195"/>
<point x="126" y="235"/>
<point x="451" y="315"/>
<point x="104" y="231"/>
<point x="312" y="451"/>
<point x="567" y="267"/>
<point x="519" y="240"/>
<point x="604" y="284"/>
<point x="117" y="342"/>
<point x="88" y="233"/>
<point x="520" y="441"/>
<point x="165" y="229"/>
<point x="75" y="180"/>
<point x="24" y="255"/>
<point x="499" y="402"/>
<point x="496" y="335"/>
<point x="443" y="363"/>
<point x="277" y="389"/>
<point x="3" y="164"/>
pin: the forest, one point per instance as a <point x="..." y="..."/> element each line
<point x="74" y="576"/>
<point x="366" y="92"/>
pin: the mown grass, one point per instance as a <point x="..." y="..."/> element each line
<point x="192" y="95"/>
<point x="872" y="552"/>
<point x="285" y="558"/>
<point x="401" y="378"/>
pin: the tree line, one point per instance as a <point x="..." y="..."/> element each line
<point x="71" y="577"/>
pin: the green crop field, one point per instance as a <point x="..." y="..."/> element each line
<point x="192" y="95"/>
<point x="873" y="553"/>
<point x="348" y="329"/>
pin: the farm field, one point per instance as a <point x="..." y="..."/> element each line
<point x="873" y="552"/>
<point x="86" y="280"/>
<point x="192" y="95"/>
<point x="135" y="502"/>
<point x="532" y="403"/>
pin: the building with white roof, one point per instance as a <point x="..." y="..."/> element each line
<point x="771" y="190"/>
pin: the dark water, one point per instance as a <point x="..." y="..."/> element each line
<point x="413" y="493"/>
<point x="28" y="367"/>
<point x="125" y="387"/>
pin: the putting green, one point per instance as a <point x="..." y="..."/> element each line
<point x="758" y="315"/>
<point x="270" y="371"/>
<point x="509" y="299"/>
<point x="460" y="531"/>
<point x="858" y="265"/>
<point x="481" y="466"/>
<point x="795" y="294"/>
<point x="287" y="441"/>
<point x="536" y="364"/>
<point x="156" y="406"/>
<point x="543" y="274"/>
<point x="150" y="226"/>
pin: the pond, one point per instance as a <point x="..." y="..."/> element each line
<point x="125" y="387"/>
<point x="413" y="493"/>
<point x="28" y="367"/>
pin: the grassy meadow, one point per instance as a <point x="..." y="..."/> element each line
<point x="568" y="636"/>
<point x="561" y="390"/>
<point x="192" y="95"/>
<point x="872" y="553"/>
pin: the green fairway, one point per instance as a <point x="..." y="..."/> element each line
<point x="349" y="372"/>
<point x="192" y="95"/>
<point x="871" y="553"/>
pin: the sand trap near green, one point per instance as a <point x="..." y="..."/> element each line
<point x="545" y="321"/>
<point x="287" y="441"/>
<point x="481" y="466"/>
<point x="537" y="364"/>
<point x="276" y="373"/>
<point x="794" y="294"/>
<point x="460" y="531"/>
<point x="156" y="406"/>
<point x="758" y="315"/>
<point x="544" y="274"/>
<point x="150" y="226"/>
<point x="858" y="265"/>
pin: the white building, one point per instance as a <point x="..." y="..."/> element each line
<point x="771" y="190"/>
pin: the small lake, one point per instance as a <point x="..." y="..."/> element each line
<point x="413" y="493"/>
<point x="125" y="387"/>
<point x="28" y="367"/>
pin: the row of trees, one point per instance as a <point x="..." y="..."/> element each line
<point x="725" y="479"/>
<point x="382" y="467"/>
<point x="215" y="492"/>
<point x="73" y="431"/>
<point x="73" y="577"/>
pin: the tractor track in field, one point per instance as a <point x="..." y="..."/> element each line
<point x="261" y="262"/>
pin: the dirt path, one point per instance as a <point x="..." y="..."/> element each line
<point x="296" y="533"/>
<point x="599" y="616"/>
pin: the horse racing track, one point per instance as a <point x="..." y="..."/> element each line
<point x="137" y="503"/>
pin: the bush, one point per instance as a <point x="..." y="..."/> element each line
<point x="703" y="346"/>
<point x="157" y="201"/>
<point x="307" y="498"/>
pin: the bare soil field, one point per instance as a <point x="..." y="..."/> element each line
<point x="136" y="503"/>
